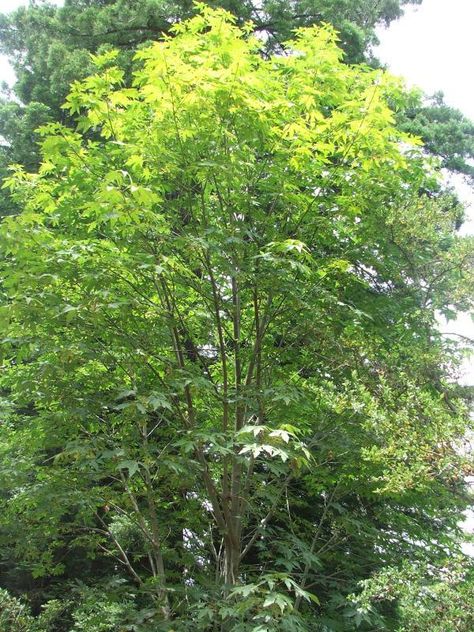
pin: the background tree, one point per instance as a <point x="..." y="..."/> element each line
<point x="221" y="354"/>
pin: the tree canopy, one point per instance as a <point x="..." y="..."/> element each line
<point x="221" y="357"/>
<point x="49" y="47"/>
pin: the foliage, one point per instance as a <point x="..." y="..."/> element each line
<point x="14" y="616"/>
<point x="445" y="131"/>
<point x="428" y="599"/>
<point x="49" y="47"/>
<point x="221" y="356"/>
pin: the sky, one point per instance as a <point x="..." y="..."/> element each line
<point x="432" y="46"/>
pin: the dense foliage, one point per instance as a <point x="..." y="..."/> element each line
<point x="226" y="402"/>
<point x="49" y="47"/>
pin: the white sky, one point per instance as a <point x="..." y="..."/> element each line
<point x="433" y="47"/>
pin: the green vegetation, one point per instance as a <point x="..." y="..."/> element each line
<point x="226" y="404"/>
<point x="50" y="47"/>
